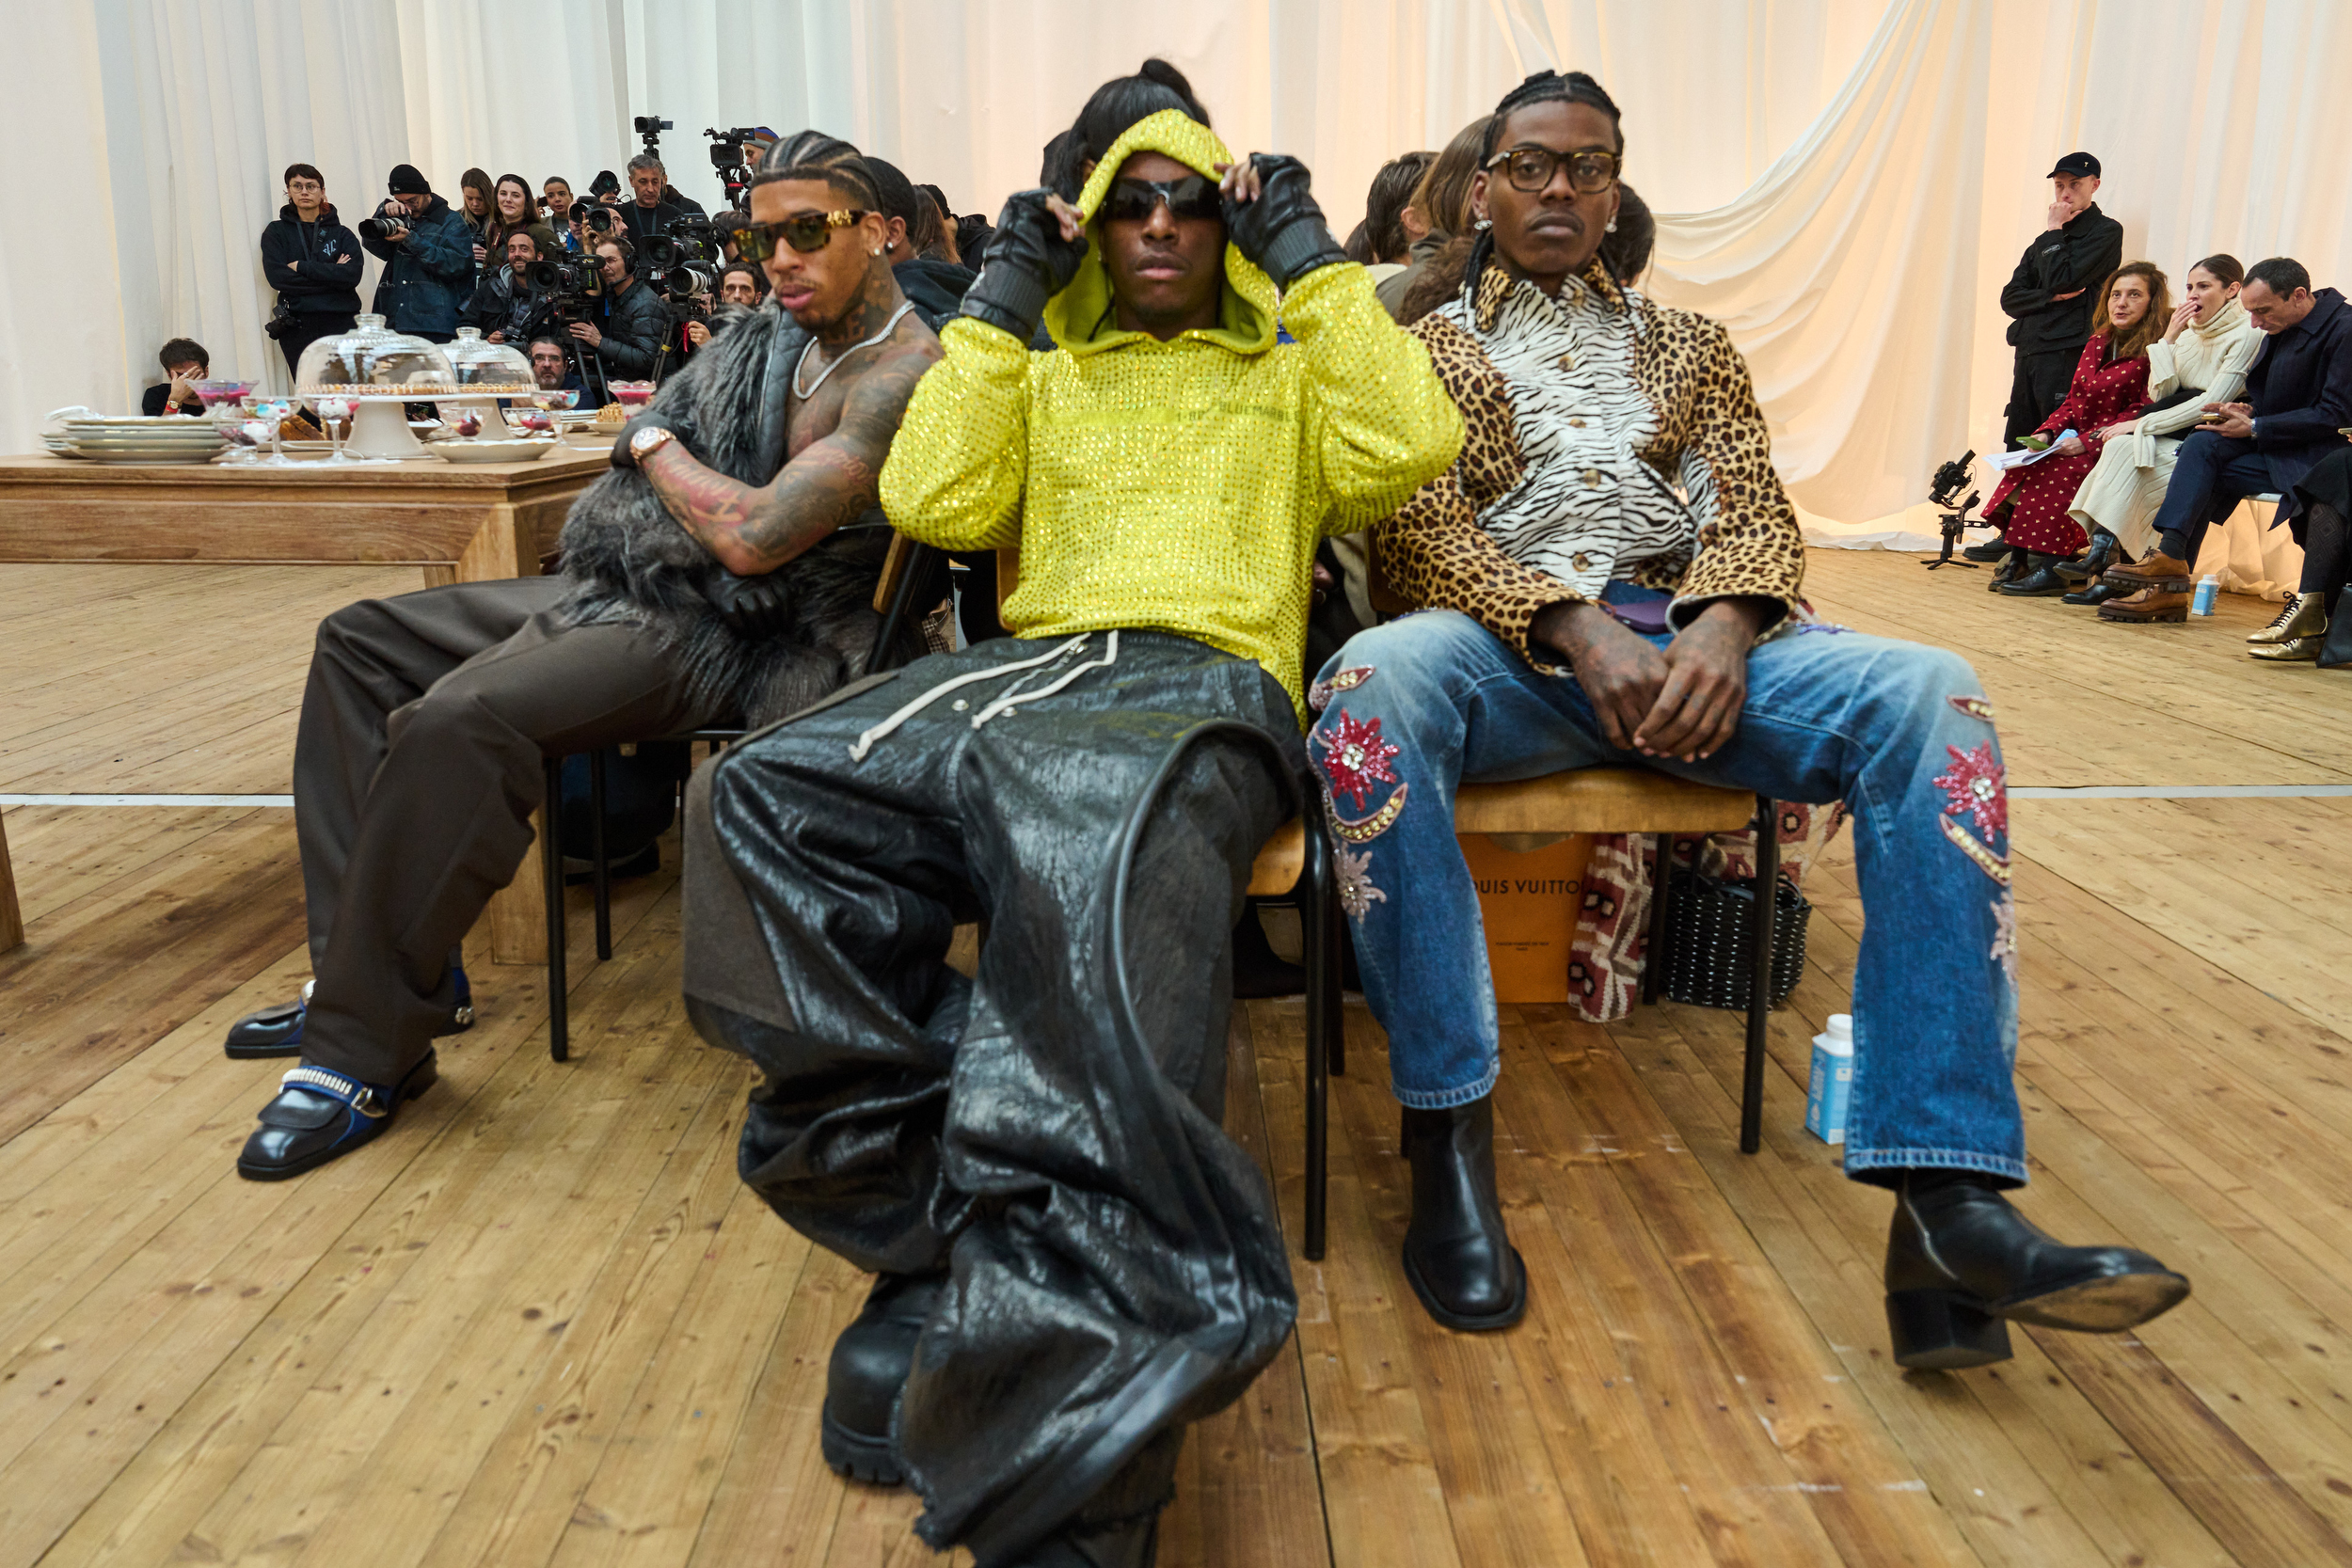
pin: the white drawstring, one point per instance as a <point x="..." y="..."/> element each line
<point x="866" y="742"/>
<point x="1004" y="702"/>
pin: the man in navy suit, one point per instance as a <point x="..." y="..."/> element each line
<point x="2299" y="394"/>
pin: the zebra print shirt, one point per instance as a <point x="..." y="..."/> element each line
<point x="1587" y="508"/>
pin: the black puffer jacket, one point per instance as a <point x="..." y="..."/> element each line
<point x="634" y="325"/>
<point x="313" y="266"/>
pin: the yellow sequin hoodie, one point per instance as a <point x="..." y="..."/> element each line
<point x="1177" y="487"/>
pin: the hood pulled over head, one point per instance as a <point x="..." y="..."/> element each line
<point x="1080" y="317"/>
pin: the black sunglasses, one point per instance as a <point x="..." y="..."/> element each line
<point x="808" y="233"/>
<point x="1530" y="169"/>
<point x="1132" y="200"/>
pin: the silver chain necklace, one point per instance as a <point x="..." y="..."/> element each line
<point x="834" y="363"/>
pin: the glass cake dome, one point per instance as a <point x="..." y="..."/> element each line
<point x="372" y="361"/>
<point x="479" y="362"/>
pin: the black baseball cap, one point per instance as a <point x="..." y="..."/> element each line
<point x="2080" y="165"/>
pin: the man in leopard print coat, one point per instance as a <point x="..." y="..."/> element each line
<point x="1611" y="575"/>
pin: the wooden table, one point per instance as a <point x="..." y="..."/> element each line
<point x="458" y="522"/>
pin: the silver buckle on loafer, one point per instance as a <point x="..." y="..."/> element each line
<point x="361" y="1098"/>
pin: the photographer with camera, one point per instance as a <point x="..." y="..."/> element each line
<point x="647" y="214"/>
<point x="427" y="252"/>
<point x="626" y="331"/>
<point x="508" y="308"/>
<point x="314" y="263"/>
<point x="551" y="367"/>
<point x="739" y="287"/>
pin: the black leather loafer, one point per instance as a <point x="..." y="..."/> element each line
<point x="1458" y="1259"/>
<point x="1962" y="1265"/>
<point x="870" y="1366"/>
<point x="321" y="1115"/>
<point x="277" y="1031"/>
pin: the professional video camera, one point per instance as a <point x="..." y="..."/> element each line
<point x="601" y="222"/>
<point x="649" y="129"/>
<point x="571" y="286"/>
<point x="1944" y="491"/>
<point x="391" y="222"/>
<point x="605" y="183"/>
<point x="727" y="157"/>
<point x="683" y="260"/>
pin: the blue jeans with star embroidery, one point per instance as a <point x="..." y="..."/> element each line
<point x="1898" y="731"/>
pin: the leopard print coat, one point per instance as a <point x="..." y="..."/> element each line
<point x="1744" y="540"/>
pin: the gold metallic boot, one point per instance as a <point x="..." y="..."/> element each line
<point x="2300" y="617"/>
<point x="2298" y="650"/>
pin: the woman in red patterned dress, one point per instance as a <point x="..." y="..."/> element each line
<point x="2110" y="388"/>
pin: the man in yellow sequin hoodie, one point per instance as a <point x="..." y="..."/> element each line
<point x="1075" y="1261"/>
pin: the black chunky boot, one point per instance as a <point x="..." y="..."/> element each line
<point x="1961" y="1264"/>
<point x="2012" y="566"/>
<point x="2089" y="566"/>
<point x="2038" y="580"/>
<point x="1457" y="1255"/>
<point x="870" y="1366"/>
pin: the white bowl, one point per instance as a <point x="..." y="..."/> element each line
<point x="491" y="452"/>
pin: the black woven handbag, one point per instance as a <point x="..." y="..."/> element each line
<point x="1706" y="941"/>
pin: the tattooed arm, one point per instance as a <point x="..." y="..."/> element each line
<point x="751" y="530"/>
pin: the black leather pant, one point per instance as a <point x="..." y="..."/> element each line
<point x="1049" y="1131"/>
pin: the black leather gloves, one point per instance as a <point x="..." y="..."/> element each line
<point x="752" y="607"/>
<point x="1025" y="264"/>
<point x="652" y="418"/>
<point x="1282" y="230"/>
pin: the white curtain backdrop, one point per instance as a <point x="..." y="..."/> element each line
<point x="1845" y="183"/>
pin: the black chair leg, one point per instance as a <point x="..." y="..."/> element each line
<point x="1319" y="911"/>
<point x="551" y="854"/>
<point x="1654" y="953"/>
<point x="602" y="868"/>
<point x="918" y="566"/>
<point x="1759" y="974"/>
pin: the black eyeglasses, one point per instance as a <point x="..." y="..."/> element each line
<point x="1530" y="169"/>
<point x="808" y="233"/>
<point x="1132" y="200"/>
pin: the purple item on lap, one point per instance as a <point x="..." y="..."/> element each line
<point x="1643" y="609"/>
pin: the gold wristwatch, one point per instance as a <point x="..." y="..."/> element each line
<point x="647" y="443"/>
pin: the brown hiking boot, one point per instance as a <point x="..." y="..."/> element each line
<point x="2148" y="569"/>
<point x="2149" y="604"/>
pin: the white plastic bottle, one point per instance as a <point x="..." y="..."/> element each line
<point x="1830" y="1086"/>
<point x="2208" y="589"/>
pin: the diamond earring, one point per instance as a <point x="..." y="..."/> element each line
<point x="1612" y="227"/>
<point x="1485" y="223"/>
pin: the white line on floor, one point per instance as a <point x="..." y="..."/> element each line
<point x="286" y="801"/>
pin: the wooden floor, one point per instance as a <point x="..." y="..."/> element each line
<point x="541" y="1321"/>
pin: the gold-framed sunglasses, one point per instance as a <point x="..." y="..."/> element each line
<point x="1530" y="169"/>
<point x="807" y="233"/>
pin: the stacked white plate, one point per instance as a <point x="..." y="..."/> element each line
<point x="136" y="439"/>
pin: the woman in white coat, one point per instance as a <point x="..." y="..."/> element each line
<point x="2202" y="358"/>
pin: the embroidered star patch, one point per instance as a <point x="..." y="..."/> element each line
<point x="1976" y="787"/>
<point x="1355" y="757"/>
<point x="1356" y="893"/>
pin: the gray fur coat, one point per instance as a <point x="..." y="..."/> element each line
<point x="628" y="560"/>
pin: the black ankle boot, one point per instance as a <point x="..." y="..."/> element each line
<point x="2038" y="580"/>
<point x="2097" y="590"/>
<point x="1990" y="551"/>
<point x="1457" y="1255"/>
<point x="870" y="1366"/>
<point x="2012" y="566"/>
<point x="2088" y="566"/>
<point x="1960" y="1261"/>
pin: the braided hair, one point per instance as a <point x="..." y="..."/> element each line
<point x="814" y="155"/>
<point x="1549" y="86"/>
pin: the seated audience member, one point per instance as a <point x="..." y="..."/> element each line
<point x="418" y="760"/>
<point x="314" y="263"/>
<point x="1440" y="205"/>
<point x="2031" y="505"/>
<point x="2302" y="626"/>
<point x="551" y="368"/>
<point x="478" y="209"/>
<point x="506" y="306"/>
<point x="1391" y="224"/>
<point x="1032" y="1159"/>
<point x="934" y="237"/>
<point x="2202" y="358"/>
<point x="1581" y="612"/>
<point x="2048" y="297"/>
<point x="935" y="286"/>
<point x="184" y="363"/>
<point x="2299" y="393"/>
<point x="516" y="209"/>
<point x="428" y="270"/>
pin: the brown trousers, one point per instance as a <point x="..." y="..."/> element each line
<point x="420" y="761"/>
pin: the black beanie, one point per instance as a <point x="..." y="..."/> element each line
<point x="407" y="180"/>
